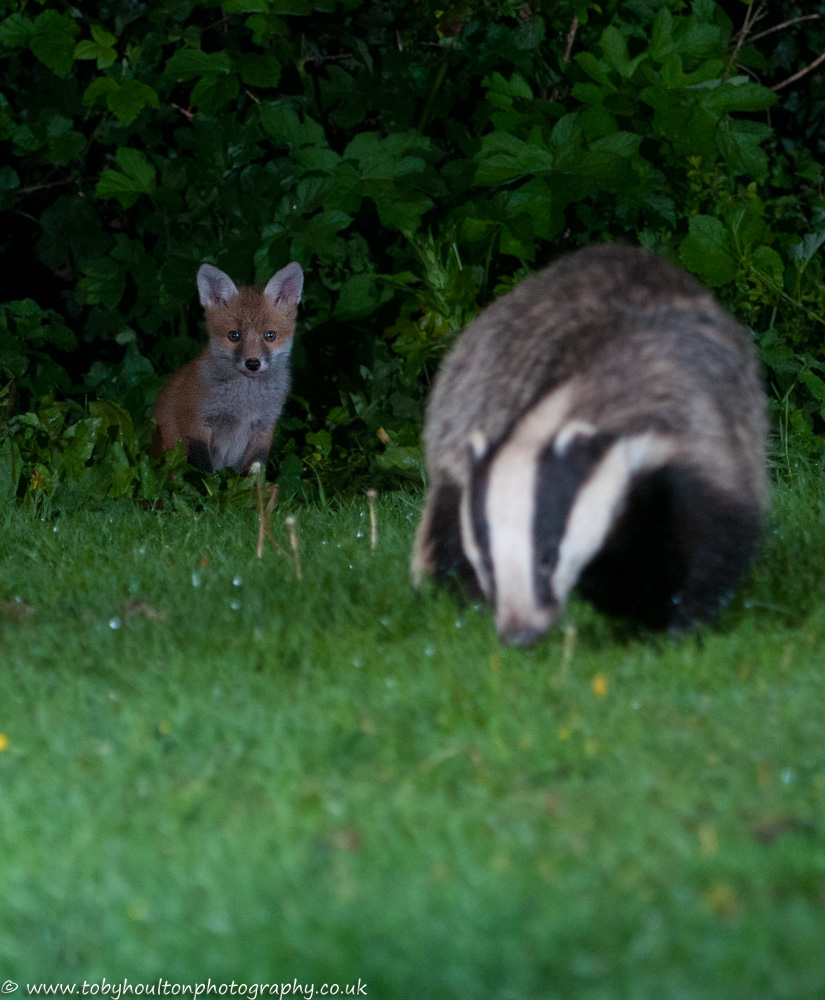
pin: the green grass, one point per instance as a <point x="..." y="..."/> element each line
<point x="260" y="779"/>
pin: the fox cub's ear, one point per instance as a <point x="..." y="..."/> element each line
<point x="216" y="288"/>
<point x="285" y="288"/>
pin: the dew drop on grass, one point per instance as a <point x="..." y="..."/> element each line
<point x="357" y="661"/>
<point x="359" y="534"/>
<point x="237" y="581"/>
<point x="390" y="682"/>
<point x="142" y="550"/>
<point x="429" y="650"/>
<point x="384" y="621"/>
<point x="196" y="579"/>
<point x="54" y="529"/>
<point x="235" y="605"/>
<point x="114" y="623"/>
<point x="459" y="623"/>
<point x="787" y="776"/>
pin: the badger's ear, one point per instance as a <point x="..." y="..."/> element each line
<point x="477" y="445"/>
<point x="285" y="288"/>
<point x="216" y="288"/>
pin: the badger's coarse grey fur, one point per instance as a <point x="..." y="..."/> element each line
<point x="601" y="426"/>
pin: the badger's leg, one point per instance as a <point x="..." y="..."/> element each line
<point x="675" y="554"/>
<point x="437" y="549"/>
<point x="717" y="535"/>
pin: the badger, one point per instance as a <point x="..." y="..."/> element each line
<point x="600" y="427"/>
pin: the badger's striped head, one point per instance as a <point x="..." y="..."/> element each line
<point x="539" y="506"/>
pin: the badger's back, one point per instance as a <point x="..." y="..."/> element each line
<point x="630" y="359"/>
<point x="643" y="340"/>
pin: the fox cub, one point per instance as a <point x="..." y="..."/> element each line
<point x="224" y="404"/>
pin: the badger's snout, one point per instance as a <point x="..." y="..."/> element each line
<point x="524" y="630"/>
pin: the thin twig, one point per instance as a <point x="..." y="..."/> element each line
<point x="371" y="495"/>
<point x="293" y="543"/>
<point x="42" y="187"/>
<point x="800" y="74"/>
<point x="754" y="13"/>
<point x="785" y="24"/>
<point x="571" y="34"/>
<point x="184" y="111"/>
<point x="247" y="91"/>
<point x="574" y="27"/>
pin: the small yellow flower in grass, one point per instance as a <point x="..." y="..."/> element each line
<point x="708" y="839"/>
<point x="4" y="742"/>
<point x="599" y="685"/>
<point x="565" y="732"/>
<point x="722" y="900"/>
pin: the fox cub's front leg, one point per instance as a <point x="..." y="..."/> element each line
<point x="260" y="441"/>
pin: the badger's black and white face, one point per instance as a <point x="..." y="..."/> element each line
<point x="538" y="508"/>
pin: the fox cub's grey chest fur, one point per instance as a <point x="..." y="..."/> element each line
<point x="225" y="403"/>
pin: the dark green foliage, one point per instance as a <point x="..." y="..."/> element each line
<point x="416" y="160"/>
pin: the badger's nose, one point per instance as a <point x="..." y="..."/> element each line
<point x="253" y="364"/>
<point x="520" y="635"/>
<point x="522" y="629"/>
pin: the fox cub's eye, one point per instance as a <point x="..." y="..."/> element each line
<point x="269" y="335"/>
<point x="234" y="335"/>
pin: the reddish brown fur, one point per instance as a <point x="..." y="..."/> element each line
<point x="224" y="412"/>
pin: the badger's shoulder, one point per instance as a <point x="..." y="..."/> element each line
<point x="617" y="319"/>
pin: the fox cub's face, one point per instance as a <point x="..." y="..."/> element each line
<point x="250" y="327"/>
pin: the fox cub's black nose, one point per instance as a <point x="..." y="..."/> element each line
<point x="253" y="364"/>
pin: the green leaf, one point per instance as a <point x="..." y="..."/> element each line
<point x="130" y="98"/>
<point x="190" y="64"/>
<point x="504" y="157"/>
<point x="661" y="40"/>
<point x="138" y="178"/>
<point x="104" y="283"/>
<point x="614" y="49"/>
<point x="740" y="143"/>
<point x="707" y="251"/>
<point x="100" y="48"/>
<point x="15" y="31"/>
<point x="318" y="235"/>
<point x="814" y="385"/>
<point x="258" y="70"/>
<point x="290" y="7"/>
<point x="52" y="41"/>
<point x="620" y="143"/>
<point x="768" y="263"/>
<point x="736" y="94"/>
<point x="591" y="65"/>
<point x="213" y="91"/>
<point x="98" y="91"/>
<point x="803" y="253"/>
<point x="102" y="36"/>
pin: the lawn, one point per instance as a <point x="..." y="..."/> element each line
<point x="214" y="769"/>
